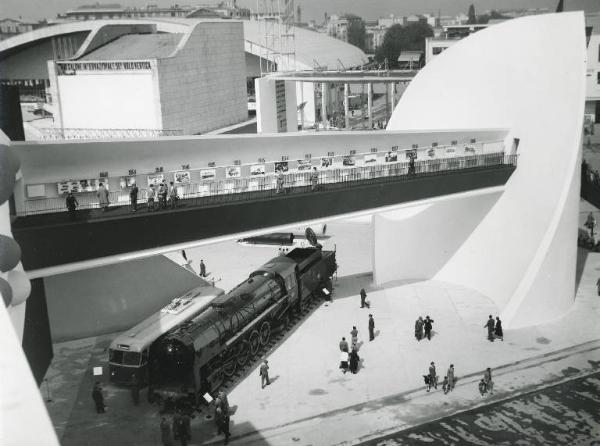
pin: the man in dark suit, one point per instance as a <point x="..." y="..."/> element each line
<point x="371" y="328"/>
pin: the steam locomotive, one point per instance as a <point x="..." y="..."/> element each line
<point x="196" y="356"/>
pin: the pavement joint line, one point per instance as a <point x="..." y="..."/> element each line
<point x="464" y="380"/>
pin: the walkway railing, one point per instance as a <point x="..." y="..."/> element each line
<point x="210" y="193"/>
<point x="78" y="133"/>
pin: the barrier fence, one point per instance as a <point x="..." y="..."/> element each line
<point x="209" y="193"/>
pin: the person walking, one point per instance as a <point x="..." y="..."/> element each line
<point x="354" y="359"/>
<point x="411" y="165"/>
<point x="371" y="328"/>
<point x="133" y="197"/>
<point x="344" y="345"/>
<point x="98" y="397"/>
<point x="151" y="197"/>
<point x="103" y="197"/>
<point x="163" y="190"/>
<point x="419" y="328"/>
<point x="202" y="269"/>
<point x="165" y="432"/>
<point x="428" y="325"/>
<point x="135" y="390"/>
<point x="590" y="223"/>
<point x="264" y="374"/>
<point x="363" y="298"/>
<point x="222" y="421"/>
<point x="433" y="375"/>
<point x="490" y="328"/>
<point x="314" y="179"/>
<point x="445" y="386"/>
<point x="173" y="195"/>
<point x="427" y="380"/>
<point x="482" y="387"/>
<point x="72" y="204"/>
<point x="451" y="378"/>
<point x="498" y="329"/>
<point x="487" y="378"/>
<point x="354" y="334"/>
<point x="280" y="181"/>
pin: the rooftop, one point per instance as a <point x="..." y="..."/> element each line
<point x="137" y="47"/>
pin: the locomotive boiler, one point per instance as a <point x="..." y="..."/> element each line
<point x="196" y="356"/>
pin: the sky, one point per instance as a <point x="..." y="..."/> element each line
<point x="311" y="9"/>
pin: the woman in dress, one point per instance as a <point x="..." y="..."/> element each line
<point x="498" y="329"/>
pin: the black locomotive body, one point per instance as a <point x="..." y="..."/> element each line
<point x="194" y="357"/>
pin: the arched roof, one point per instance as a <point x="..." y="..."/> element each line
<point x="312" y="49"/>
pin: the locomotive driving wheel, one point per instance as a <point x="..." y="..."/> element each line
<point x="265" y="333"/>
<point x="242" y="353"/>
<point x="254" y="341"/>
<point x="229" y="366"/>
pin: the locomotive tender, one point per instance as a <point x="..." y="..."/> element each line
<point x="195" y="357"/>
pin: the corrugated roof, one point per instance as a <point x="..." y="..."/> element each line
<point x="314" y="49"/>
<point x="137" y="47"/>
<point x="410" y="56"/>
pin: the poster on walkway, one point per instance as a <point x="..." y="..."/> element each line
<point x="304" y="166"/>
<point x="349" y="161"/>
<point x="391" y="157"/>
<point x="257" y="169"/>
<point x="182" y="177"/>
<point x="282" y="165"/>
<point x="233" y="172"/>
<point x="208" y="174"/>
<point x="370" y="158"/>
<point x="155" y="179"/>
<point x="326" y="163"/>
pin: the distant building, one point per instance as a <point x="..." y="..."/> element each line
<point x="410" y="60"/>
<point x="374" y="37"/>
<point x="191" y="82"/>
<point x="12" y="27"/>
<point x="450" y="35"/>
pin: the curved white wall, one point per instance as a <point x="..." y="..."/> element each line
<point x="527" y="75"/>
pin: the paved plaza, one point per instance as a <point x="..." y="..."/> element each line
<point x="310" y="401"/>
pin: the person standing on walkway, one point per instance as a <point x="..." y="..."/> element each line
<point x="264" y="374"/>
<point x="151" y="197"/>
<point x="490" y="328"/>
<point x="498" y="329"/>
<point x="591" y="223"/>
<point x="451" y="378"/>
<point x="314" y="179"/>
<point x="280" y="181"/>
<point x="344" y="345"/>
<point x="354" y="334"/>
<point x="222" y="420"/>
<point x="163" y="191"/>
<point x="487" y="378"/>
<point x="371" y="328"/>
<point x="427" y="325"/>
<point x="445" y="386"/>
<point x="133" y="197"/>
<point x="135" y="390"/>
<point x="344" y="356"/>
<point x="98" y="398"/>
<point x="363" y="298"/>
<point x="427" y="380"/>
<point x="482" y="387"/>
<point x="202" y="269"/>
<point x="433" y="375"/>
<point x="103" y="197"/>
<point x="411" y="165"/>
<point x="354" y="358"/>
<point x="72" y="204"/>
<point x="419" y="328"/>
<point x="173" y="195"/>
<point x="165" y="432"/>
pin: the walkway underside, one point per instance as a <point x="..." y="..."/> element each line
<point x="51" y="240"/>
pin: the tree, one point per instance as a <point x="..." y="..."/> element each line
<point x="398" y="38"/>
<point x="357" y="33"/>
<point x="472" y="17"/>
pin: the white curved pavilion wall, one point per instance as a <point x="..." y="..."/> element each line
<point x="527" y="75"/>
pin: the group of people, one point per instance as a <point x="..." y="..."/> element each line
<point x="280" y="180"/>
<point x="349" y="359"/>
<point x="165" y="194"/>
<point x="423" y="328"/>
<point x="431" y="379"/>
<point x="494" y="329"/>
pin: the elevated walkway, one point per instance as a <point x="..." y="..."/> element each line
<point x="53" y="240"/>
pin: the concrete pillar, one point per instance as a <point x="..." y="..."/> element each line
<point x="324" y="94"/>
<point x="393" y="95"/>
<point x="370" y="104"/>
<point x="347" y="105"/>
